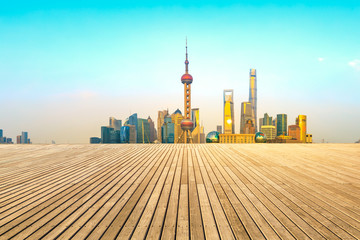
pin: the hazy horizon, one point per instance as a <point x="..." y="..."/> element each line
<point x="65" y="67"/>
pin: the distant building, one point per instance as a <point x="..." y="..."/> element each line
<point x="253" y="96"/>
<point x="128" y="134"/>
<point x="249" y="127"/>
<point x="167" y="130"/>
<point x="301" y="122"/>
<point x="246" y="114"/>
<point x="125" y="134"/>
<point x="267" y="120"/>
<point x="281" y="124"/>
<point x="195" y="115"/>
<point x="160" y="122"/>
<point x="294" y="132"/>
<point x="308" y="138"/>
<point x="143" y="131"/>
<point x="24" y="138"/>
<point x="1" y="133"/>
<point x="229" y="124"/>
<point x="261" y="120"/>
<point x="114" y="123"/>
<point x="269" y="131"/>
<point x="219" y="129"/>
<point x="109" y="135"/>
<point x="133" y="120"/>
<point x="197" y="134"/>
<point x="153" y="135"/>
<point x="93" y="140"/>
<point x="237" y="138"/>
<point x="176" y="118"/>
<point x="18" y="139"/>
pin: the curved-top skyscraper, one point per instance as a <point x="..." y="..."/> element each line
<point x="186" y="124"/>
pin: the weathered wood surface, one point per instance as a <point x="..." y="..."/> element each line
<point x="204" y="191"/>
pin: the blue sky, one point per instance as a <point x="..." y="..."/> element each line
<point x="66" y="67"/>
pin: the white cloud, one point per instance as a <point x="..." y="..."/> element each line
<point x="355" y="64"/>
<point x="320" y="59"/>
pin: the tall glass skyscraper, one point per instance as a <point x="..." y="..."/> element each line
<point x="229" y="124"/>
<point x="24" y="137"/>
<point x="281" y="124"/>
<point x="143" y="131"/>
<point x="114" y="123"/>
<point x="301" y="122"/>
<point x="195" y="117"/>
<point x="167" y="130"/>
<point x="133" y="120"/>
<point x="125" y="134"/>
<point x="253" y="96"/>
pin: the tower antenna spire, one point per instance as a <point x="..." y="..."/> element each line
<point x="186" y="61"/>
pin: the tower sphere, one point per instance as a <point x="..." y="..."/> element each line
<point x="187" y="124"/>
<point x="186" y="78"/>
<point x="260" y="137"/>
<point x="212" y="137"/>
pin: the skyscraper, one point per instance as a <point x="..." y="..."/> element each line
<point x="24" y="137"/>
<point x="229" y="124"/>
<point x="1" y="133"/>
<point x="133" y="120"/>
<point x="195" y="117"/>
<point x="143" y="131"/>
<point x="301" y="122"/>
<point x="281" y="124"/>
<point x="197" y="132"/>
<point x="160" y="122"/>
<point x="267" y="120"/>
<point x="186" y="124"/>
<point x="152" y="130"/>
<point x="106" y="133"/>
<point x="246" y="114"/>
<point x="253" y="96"/>
<point x="167" y="130"/>
<point x="219" y="129"/>
<point x="114" y="123"/>
<point x="176" y="118"/>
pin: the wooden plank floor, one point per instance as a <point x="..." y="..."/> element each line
<point x="200" y="191"/>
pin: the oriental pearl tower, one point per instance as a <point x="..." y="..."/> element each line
<point x="186" y="124"/>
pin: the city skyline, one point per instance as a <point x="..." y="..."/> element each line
<point x="61" y="85"/>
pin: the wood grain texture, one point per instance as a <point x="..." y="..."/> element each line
<point x="197" y="191"/>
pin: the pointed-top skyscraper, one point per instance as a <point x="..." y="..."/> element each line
<point x="253" y="97"/>
<point x="186" y="124"/>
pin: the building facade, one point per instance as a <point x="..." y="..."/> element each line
<point x="160" y="122"/>
<point x="301" y="122"/>
<point x="167" y="130"/>
<point x="114" y="123"/>
<point x="236" y="138"/>
<point x="246" y="114"/>
<point x="229" y="124"/>
<point x="253" y="96"/>
<point x="24" y="138"/>
<point x="176" y="119"/>
<point x="294" y="132"/>
<point x="269" y="131"/>
<point x="281" y="124"/>
<point x="219" y="129"/>
<point x="143" y="131"/>
<point x="153" y="135"/>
